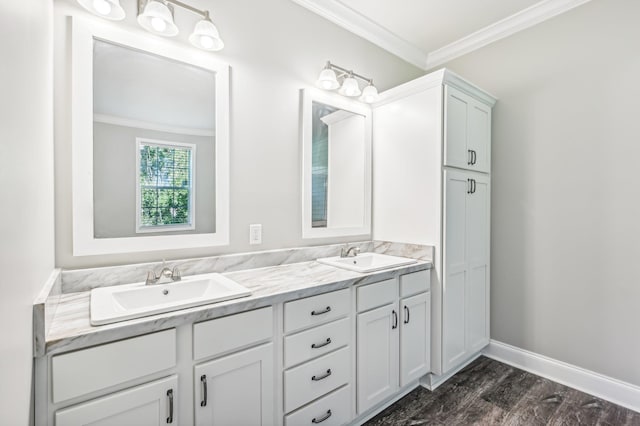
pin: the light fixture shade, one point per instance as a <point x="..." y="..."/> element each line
<point x="328" y="80"/>
<point x="158" y="19"/>
<point x="205" y="36"/>
<point x="350" y="87"/>
<point x="108" y="9"/>
<point x="369" y="94"/>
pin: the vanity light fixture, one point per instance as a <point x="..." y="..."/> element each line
<point x="156" y="16"/>
<point x="108" y="9"/>
<point x="329" y="80"/>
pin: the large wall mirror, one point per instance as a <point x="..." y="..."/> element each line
<point x="336" y="165"/>
<point x="149" y="143"/>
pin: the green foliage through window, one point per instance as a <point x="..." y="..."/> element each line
<point x="165" y="184"/>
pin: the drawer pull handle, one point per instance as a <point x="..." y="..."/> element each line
<point x="170" y="395"/>
<point x="203" y="379"/>
<point x="320" y="345"/>
<point x="324" y="376"/>
<point x="328" y="309"/>
<point x="322" y="419"/>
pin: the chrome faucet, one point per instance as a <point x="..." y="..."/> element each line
<point x="347" y="252"/>
<point x="165" y="275"/>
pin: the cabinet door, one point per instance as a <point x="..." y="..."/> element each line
<point x="479" y="137"/>
<point x="415" y="343"/>
<point x="456" y="118"/>
<point x="151" y="404"/>
<point x="377" y="355"/>
<point x="467" y="132"/>
<point x="237" y="389"/>
<point x="454" y="304"/>
<point x="478" y="224"/>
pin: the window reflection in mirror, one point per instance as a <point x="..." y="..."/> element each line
<point x="338" y="162"/>
<point x="153" y="144"/>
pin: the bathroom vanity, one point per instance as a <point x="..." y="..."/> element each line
<point x="311" y="344"/>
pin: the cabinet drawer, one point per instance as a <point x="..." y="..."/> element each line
<point x="378" y="294"/>
<point x="225" y="334"/>
<point x="89" y="370"/>
<point x="316" y="378"/>
<point x="414" y="283"/>
<point x="148" y="404"/>
<point x="335" y="408"/>
<point x="316" y="310"/>
<point x="318" y="341"/>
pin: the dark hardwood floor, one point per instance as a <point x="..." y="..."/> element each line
<point x="488" y="392"/>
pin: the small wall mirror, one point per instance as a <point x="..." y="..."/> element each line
<point x="150" y="144"/>
<point x="336" y="165"/>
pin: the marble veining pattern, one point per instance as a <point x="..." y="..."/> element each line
<point x="488" y="392"/>
<point x="71" y="328"/>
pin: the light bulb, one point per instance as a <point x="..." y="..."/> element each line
<point x="103" y="7"/>
<point x="158" y="24"/>
<point x="206" y="42"/>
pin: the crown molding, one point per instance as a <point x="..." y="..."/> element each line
<point x="344" y="16"/>
<point x="522" y="20"/>
<point x="356" y="23"/>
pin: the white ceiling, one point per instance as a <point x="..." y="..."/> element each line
<point x="428" y="33"/>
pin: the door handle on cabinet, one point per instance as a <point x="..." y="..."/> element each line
<point x="324" y="376"/>
<point x="469" y="191"/>
<point x="395" y="320"/>
<point x="474" y="157"/>
<point x="406" y="310"/>
<point x="203" y="380"/>
<point x="170" y="396"/>
<point x="321" y="345"/>
<point x="473" y="186"/>
<point x="321" y="419"/>
<point x="470" y="161"/>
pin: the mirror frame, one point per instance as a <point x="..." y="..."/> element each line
<point x="308" y="96"/>
<point x="84" y="241"/>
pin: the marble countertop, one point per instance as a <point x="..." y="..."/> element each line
<point x="70" y="326"/>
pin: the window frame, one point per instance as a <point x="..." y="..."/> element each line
<point x="141" y="229"/>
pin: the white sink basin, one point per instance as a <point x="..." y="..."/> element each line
<point x="123" y="302"/>
<point x="367" y="262"/>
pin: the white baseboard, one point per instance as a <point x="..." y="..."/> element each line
<point x="607" y="388"/>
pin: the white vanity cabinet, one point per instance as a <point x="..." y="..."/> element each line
<point x="467" y="131"/>
<point x="432" y="145"/>
<point x="393" y="343"/>
<point x="151" y="404"/>
<point x="235" y="388"/>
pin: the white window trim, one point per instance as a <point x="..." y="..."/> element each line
<point x="140" y="229"/>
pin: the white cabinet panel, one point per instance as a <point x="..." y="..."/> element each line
<point x="465" y="305"/>
<point x="415" y="345"/>
<point x="315" y="310"/>
<point x="318" y="341"/>
<point x="111" y="364"/>
<point x="377" y="365"/>
<point x="479" y="136"/>
<point x="236" y="389"/>
<point x="331" y="410"/>
<point x="221" y="335"/>
<point x="373" y="295"/>
<point x="456" y="128"/>
<point x="316" y="378"/>
<point x="144" y="405"/>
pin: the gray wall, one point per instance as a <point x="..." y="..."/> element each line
<point x="566" y="206"/>
<point x="274" y="48"/>
<point x="114" y="179"/>
<point x="26" y="216"/>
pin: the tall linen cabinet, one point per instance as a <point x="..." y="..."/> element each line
<point x="432" y="185"/>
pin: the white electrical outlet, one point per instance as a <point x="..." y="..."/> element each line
<point x="255" y="234"/>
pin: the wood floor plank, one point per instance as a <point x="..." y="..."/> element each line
<point x="488" y="392"/>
